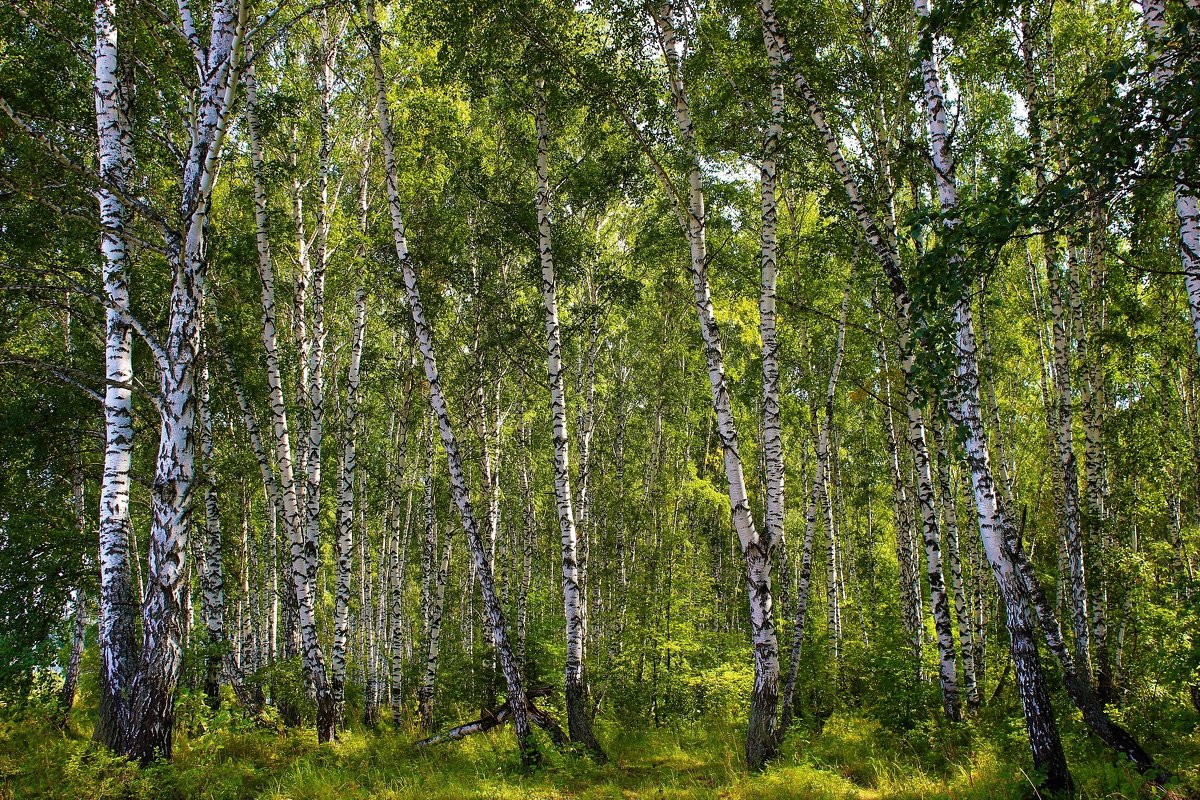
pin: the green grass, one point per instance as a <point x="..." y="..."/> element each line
<point x="849" y="756"/>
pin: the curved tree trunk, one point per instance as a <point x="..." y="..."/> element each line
<point x="762" y="735"/>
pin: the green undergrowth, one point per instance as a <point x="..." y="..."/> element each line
<point x="847" y="756"/>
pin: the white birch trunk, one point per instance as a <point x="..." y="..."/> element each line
<point x="993" y="524"/>
<point x="962" y="610"/>
<point x="116" y="603"/>
<point x="575" y="684"/>
<point x="293" y="521"/>
<point x="212" y="578"/>
<point x="345" y="507"/>
<point x="762" y="731"/>
<point x="458" y="483"/>
<point x="772" y="433"/>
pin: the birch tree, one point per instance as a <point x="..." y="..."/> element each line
<point x="574" y="602"/>
<point x="762" y="730"/>
<point x="458" y="484"/>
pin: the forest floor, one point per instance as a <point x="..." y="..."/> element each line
<point x="848" y="757"/>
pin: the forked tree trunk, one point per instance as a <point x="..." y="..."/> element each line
<point x="302" y="609"/>
<point x="152" y="691"/>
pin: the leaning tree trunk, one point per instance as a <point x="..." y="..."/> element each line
<point x="993" y="524"/>
<point x="304" y="612"/>
<point x="459" y="488"/>
<point x="1045" y="744"/>
<point x="762" y="731"/>
<point x="579" y="724"/>
<point x="1062" y="417"/>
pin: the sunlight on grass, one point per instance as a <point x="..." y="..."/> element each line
<point x="849" y="757"/>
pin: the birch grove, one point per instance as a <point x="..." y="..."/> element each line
<point x="412" y="374"/>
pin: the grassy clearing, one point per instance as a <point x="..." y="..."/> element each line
<point x="847" y="758"/>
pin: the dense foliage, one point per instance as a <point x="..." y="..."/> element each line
<point x="503" y="127"/>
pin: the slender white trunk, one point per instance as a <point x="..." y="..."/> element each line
<point x="459" y="488"/>
<point x="1063" y="299"/>
<point x="800" y="615"/>
<point x="575" y="684"/>
<point x="116" y="609"/>
<point x="762" y="732"/>
<point x="906" y="557"/>
<point x="962" y="610"/>
<point x="528" y="537"/>
<point x="939" y="601"/>
<point x="212" y="578"/>
<point x="772" y="432"/>
<point x="345" y="506"/>
<point x="293" y="521"/>
<point x="825" y="458"/>
<point x="399" y="551"/>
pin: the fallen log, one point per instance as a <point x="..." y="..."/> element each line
<point x="497" y="717"/>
